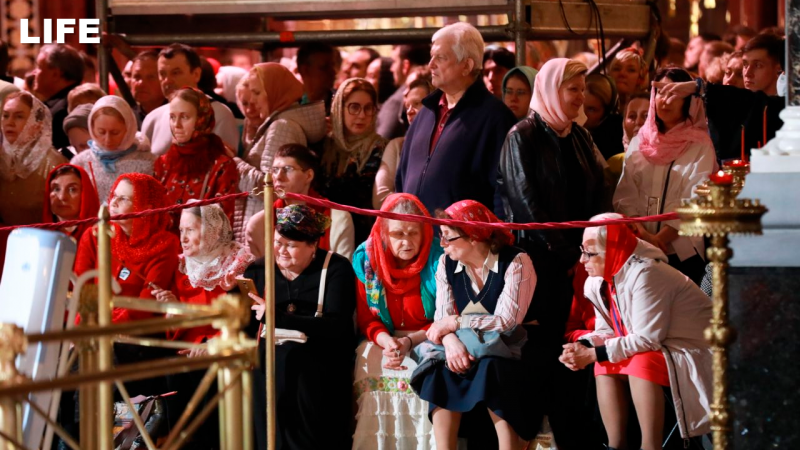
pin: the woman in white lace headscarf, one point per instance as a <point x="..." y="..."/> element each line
<point x="208" y="267"/>
<point x="26" y="158"/>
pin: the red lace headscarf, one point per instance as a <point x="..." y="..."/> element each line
<point x="89" y="203"/>
<point x="395" y="280"/>
<point x="198" y="154"/>
<point x="149" y="236"/>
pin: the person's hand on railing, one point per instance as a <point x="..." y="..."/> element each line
<point x="194" y="352"/>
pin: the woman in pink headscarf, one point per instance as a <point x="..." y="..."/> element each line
<point x="669" y="157"/>
<point x="551" y="171"/>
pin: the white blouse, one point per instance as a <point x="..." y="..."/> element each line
<point x="643" y="185"/>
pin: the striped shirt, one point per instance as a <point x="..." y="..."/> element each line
<point x="520" y="281"/>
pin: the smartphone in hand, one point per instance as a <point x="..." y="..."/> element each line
<point x="246" y="286"/>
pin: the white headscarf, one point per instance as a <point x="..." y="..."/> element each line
<point x="23" y="157"/>
<point x="132" y="136"/>
<point x="221" y="258"/>
<point x="227" y="79"/>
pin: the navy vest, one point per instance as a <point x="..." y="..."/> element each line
<point x="461" y="284"/>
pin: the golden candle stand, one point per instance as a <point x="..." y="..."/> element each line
<point x="230" y="358"/>
<point x="716" y="216"/>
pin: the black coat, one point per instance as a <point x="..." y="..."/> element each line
<point x="540" y="176"/>
<point x="729" y="107"/>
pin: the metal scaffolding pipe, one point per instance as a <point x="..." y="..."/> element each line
<point x="341" y="37"/>
<point x="521" y="31"/>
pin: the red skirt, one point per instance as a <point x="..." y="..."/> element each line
<point x="650" y="366"/>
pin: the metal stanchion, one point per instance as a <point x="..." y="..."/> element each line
<point x="717" y="216"/>
<point x="269" y="308"/>
<point x="105" y="401"/>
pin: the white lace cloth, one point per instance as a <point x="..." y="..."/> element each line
<point x="390" y="415"/>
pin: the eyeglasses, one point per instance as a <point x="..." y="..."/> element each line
<point x="286" y="170"/>
<point x="445" y="241"/>
<point x="518" y="92"/>
<point x="356" y="108"/>
<point x="120" y="200"/>
<point x="588" y="255"/>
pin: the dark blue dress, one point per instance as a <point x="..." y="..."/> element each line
<point x="493" y="383"/>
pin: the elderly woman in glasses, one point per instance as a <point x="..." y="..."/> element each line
<point x="483" y="284"/>
<point x="314" y="306"/>
<point x="648" y="337"/>
<point x="353" y="151"/>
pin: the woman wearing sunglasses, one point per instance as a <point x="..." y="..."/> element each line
<point x="353" y="151"/>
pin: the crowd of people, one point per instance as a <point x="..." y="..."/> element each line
<point x="380" y="345"/>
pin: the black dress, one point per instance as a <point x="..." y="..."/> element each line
<point x="313" y="380"/>
<point x="354" y="188"/>
<point x="491" y="383"/>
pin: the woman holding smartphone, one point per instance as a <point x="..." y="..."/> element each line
<point x="314" y="301"/>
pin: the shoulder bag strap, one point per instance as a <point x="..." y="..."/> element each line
<point x="323" y="276"/>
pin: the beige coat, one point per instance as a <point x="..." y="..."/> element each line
<point x="662" y="310"/>
<point x="302" y="125"/>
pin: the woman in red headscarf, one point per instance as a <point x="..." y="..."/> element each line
<point x="144" y="254"/>
<point x="197" y="165"/>
<point x="396" y="301"/>
<point x="648" y="335"/>
<point x="70" y="195"/>
<point x="484" y="287"/>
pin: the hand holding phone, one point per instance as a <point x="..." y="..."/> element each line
<point x="246" y="286"/>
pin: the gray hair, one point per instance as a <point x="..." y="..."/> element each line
<point x="403" y="206"/>
<point x="602" y="231"/>
<point x="467" y="42"/>
<point x="66" y="59"/>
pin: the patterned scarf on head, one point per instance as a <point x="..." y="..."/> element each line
<point x="25" y="155"/>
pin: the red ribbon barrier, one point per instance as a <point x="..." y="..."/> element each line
<point x="360" y="211"/>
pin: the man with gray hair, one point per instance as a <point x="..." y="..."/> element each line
<point x="59" y="69"/>
<point x="453" y="146"/>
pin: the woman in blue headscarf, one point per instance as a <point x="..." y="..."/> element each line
<point x="518" y="90"/>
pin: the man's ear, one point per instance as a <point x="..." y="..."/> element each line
<point x="470" y="65"/>
<point x="405" y="67"/>
<point x="196" y="74"/>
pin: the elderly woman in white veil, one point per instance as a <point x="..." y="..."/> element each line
<point x="208" y="267"/>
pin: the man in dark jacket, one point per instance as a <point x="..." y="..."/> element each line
<point x="451" y="150"/>
<point x="59" y="68"/>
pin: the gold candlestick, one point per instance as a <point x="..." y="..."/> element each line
<point x="716" y="216"/>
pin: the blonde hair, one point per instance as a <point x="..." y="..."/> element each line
<point x="87" y="93"/>
<point x="632" y="55"/>
<point x="108" y="111"/>
<point x="573" y="69"/>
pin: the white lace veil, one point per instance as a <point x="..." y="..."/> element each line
<point x="221" y="258"/>
<point x="24" y="156"/>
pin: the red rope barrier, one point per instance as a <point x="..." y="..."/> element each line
<point x="360" y="211"/>
<point x="459" y="223"/>
<point x="145" y="213"/>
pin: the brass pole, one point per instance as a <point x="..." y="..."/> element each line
<point x="58" y="429"/>
<point x="12" y="344"/>
<point x="134" y="371"/>
<point x="105" y="401"/>
<point x="269" y="309"/>
<point x="720" y="335"/>
<point x="137" y="419"/>
<point x="87" y="393"/>
<point x="716" y="216"/>
<point x="247" y="409"/>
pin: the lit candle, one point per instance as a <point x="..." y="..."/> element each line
<point x="721" y="178"/>
<point x="736" y="163"/>
<point x="765" y="127"/>
<point x="743" y="143"/>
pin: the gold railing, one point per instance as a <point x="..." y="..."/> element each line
<point x="230" y="358"/>
<point x="716" y="215"/>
